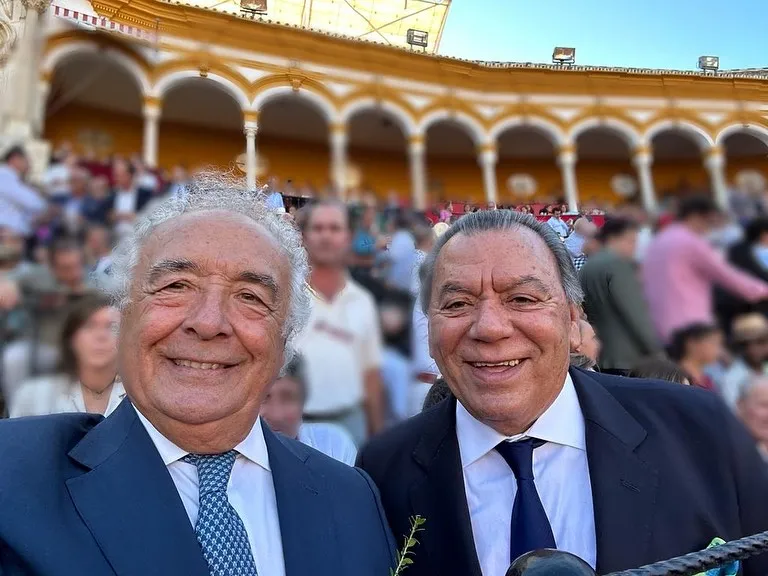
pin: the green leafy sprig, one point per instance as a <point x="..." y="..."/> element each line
<point x="404" y="556"/>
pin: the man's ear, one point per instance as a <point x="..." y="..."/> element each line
<point x="575" y="330"/>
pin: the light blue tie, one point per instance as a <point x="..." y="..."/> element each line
<point x="220" y="531"/>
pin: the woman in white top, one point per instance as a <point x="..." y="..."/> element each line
<point x="282" y="410"/>
<point x="87" y="380"/>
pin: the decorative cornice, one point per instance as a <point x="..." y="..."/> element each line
<point x="208" y="26"/>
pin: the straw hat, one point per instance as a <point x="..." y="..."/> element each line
<point x="749" y="327"/>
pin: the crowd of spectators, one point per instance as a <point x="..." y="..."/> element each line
<point x="679" y="296"/>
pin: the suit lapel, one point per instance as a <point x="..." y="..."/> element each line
<point x="439" y="496"/>
<point x="129" y="502"/>
<point x="623" y="486"/>
<point x="310" y="542"/>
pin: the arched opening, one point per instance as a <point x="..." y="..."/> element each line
<point x="377" y="154"/>
<point x="95" y="104"/>
<point x="604" y="158"/>
<point x="678" y="164"/>
<point x="527" y="150"/>
<point x="453" y="172"/>
<point x="201" y="126"/>
<point x="293" y="143"/>
<point x="745" y="152"/>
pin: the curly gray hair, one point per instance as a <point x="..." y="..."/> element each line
<point x="211" y="191"/>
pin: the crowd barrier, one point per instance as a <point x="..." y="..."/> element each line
<point x="559" y="563"/>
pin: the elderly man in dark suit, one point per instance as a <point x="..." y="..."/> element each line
<point x="532" y="455"/>
<point x="184" y="478"/>
<point x="614" y="300"/>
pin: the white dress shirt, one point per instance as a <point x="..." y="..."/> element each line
<point x="250" y="491"/>
<point x="561" y="475"/>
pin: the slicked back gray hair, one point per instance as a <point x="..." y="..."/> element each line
<point x="217" y="192"/>
<point x="501" y="221"/>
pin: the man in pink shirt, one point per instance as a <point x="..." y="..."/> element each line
<point x="681" y="268"/>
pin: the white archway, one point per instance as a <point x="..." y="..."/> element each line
<point x="476" y="131"/>
<point x="625" y="131"/>
<point x="703" y="140"/>
<point x="172" y="79"/>
<point x="552" y="131"/>
<point x="326" y="107"/>
<point x="756" y="130"/>
<point x="70" y="49"/>
<point x="406" y="122"/>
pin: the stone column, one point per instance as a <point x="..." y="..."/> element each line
<point x="643" y="162"/>
<point x="418" y="167"/>
<point x="714" y="162"/>
<point x="43" y="89"/>
<point x="338" y="166"/>
<point x="566" y="160"/>
<point x="21" y="91"/>
<point x="487" y="157"/>
<point x="250" y="129"/>
<point x="152" y="110"/>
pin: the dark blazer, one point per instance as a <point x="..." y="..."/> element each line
<point x="729" y="305"/>
<point x="80" y="494"/>
<point x="616" y="308"/>
<point x="670" y="469"/>
<point x="143" y="196"/>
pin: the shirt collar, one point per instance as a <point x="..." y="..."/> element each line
<point x="254" y="447"/>
<point x="562" y="423"/>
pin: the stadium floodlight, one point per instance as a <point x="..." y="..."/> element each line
<point x="253" y="6"/>
<point x="709" y="63"/>
<point x="417" y="38"/>
<point x="563" y="55"/>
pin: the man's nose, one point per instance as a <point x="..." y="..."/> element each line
<point x="207" y="317"/>
<point x="490" y="323"/>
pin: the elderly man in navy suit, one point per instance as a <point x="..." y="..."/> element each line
<point x="530" y="455"/>
<point x="184" y="478"/>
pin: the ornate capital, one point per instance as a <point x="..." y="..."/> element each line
<point x="39" y="6"/>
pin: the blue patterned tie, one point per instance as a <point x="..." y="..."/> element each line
<point x="220" y="531"/>
<point x="531" y="529"/>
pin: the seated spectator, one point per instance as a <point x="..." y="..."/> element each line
<point x="749" y="343"/>
<point x="43" y="292"/>
<point x="695" y="348"/>
<point x="753" y="410"/>
<point x="282" y="410"/>
<point x="87" y="378"/>
<point x="98" y="202"/>
<point x="655" y="368"/>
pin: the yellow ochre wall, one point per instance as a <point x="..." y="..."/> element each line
<point x="457" y="179"/>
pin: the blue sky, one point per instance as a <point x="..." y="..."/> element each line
<point x="633" y="33"/>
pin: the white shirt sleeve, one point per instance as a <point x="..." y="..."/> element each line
<point x="330" y="439"/>
<point x="21" y="196"/>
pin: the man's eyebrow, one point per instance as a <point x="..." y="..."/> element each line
<point x="264" y="280"/>
<point x="164" y="267"/>
<point x="450" y="288"/>
<point x="530" y="282"/>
